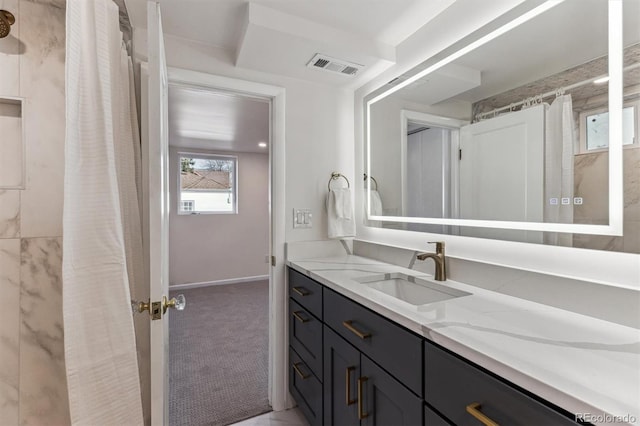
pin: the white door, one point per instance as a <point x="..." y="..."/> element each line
<point x="428" y="182"/>
<point x="502" y="173"/>
<point x="158" y="213"/>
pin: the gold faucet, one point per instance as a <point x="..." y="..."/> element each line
<point x="438" y="258"/>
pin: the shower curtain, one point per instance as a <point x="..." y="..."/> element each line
<point x="558" y="167"/>
<point x="102" y="242"/>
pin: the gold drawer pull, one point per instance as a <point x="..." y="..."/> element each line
<point x="361" y="334"/>
<point x="301" y="291"/>
<point x="474" y="410"/>
<point x="349" y="400"/>
<point x="300" y="373"/>
<point x="361" y="414"/>
<point x="299" y="317"/>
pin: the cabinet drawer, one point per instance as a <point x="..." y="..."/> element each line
<point x="306" y="292"/>
<point x="451" y="385"/>
<point x="396" y="350"/>
<point x="305" y="388"/>
<point x="305" y="336"/>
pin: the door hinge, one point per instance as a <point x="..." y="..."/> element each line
<point x="459" y="154"/>
<point x="273" y="261"/>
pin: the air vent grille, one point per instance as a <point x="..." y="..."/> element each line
<point x="349" y="70"/>
<point x="338" y="66"/>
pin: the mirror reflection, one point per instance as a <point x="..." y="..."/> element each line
<point x="515" y="130"/>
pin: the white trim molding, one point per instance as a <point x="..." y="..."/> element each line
<point x="279" y="397"/>
<point x="187" y="286"/>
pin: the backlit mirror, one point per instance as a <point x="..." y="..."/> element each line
<point x="525" y="131"/>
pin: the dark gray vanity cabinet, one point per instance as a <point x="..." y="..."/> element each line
<point x="341" y="373"/>
<point x="306" y="389"/>
<point x="394" y="348"/>
<point x="358" y="392"/>
<point x="385" y="401"/>
<point x="305" y="346"/>
<point x="352" y="366"/>
<point x="464" y="393"/>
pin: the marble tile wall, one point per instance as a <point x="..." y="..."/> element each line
<point x="591" y="177"/>
<point x="33" y="387"/>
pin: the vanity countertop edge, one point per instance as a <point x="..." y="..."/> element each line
<point x="579" y="363"/>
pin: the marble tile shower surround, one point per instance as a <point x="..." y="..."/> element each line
<point x="591" y="177"/>
<point x="32" y="373"/>
<point x="10" y="330"/>
<point x="591" y="171"/>
<point x="43" y="389"/>
<point x="11" y="148"/>
<point x="582" y="297"/>
<point x="9" y="213"/>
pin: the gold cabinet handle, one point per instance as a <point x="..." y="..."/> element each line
<point x="299" y="317"/>
<point x="299" y="372"/>
<point x="348" y="386"/>
<point x="361" y="413"/>
<point x="361" y="334"/>
<point x="301" y="291"/>
<point x="474" y="410"/>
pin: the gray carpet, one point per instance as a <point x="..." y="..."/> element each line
<point x="218" y="368"/>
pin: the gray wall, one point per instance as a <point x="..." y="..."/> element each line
<point x="213" y="247"/>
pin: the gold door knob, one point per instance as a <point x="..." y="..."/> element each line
<point x="139" y="307"/>
<point x="178" y="303"/>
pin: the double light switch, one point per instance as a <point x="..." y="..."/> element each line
<point x="302" y="218"/>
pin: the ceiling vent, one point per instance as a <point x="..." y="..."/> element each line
<point x="337" y="66"/>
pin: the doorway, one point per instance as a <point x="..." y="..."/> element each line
<point x="219" y="254"/>
<point x="156" y="181"/>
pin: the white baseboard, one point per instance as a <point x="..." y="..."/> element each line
<point x="219" y="282"/>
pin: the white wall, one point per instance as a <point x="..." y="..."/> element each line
<point x="609" y="268"/>
<point x="318" y="130"/>
<point x="214" y="247"/>
<point x="386" y="130"/>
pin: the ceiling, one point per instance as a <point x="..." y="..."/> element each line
<point x="568" y="35"/>
<point x="217" y="121"/>
<point x="281" y="36"/>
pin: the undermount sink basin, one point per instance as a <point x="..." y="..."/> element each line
<point x="413" y="290"/>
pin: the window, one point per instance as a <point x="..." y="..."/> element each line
<point x="594" y="129"/>
<point x="207" y="183"/>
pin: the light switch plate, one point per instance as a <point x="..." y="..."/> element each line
<point x="302" y="218"/>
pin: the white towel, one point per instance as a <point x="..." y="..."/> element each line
<point x="376" y="203"/>
<point x="340" y="215"/>
<point x="376" y="209"/>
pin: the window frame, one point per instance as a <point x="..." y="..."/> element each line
<point x="582" y="148"/>
<point x="207" y="156"/>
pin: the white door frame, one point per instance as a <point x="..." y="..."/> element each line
<point x="431" y="120"/>
<point x="278" y="391"/>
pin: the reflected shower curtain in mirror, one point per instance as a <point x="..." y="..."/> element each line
<point x="558" y="167"/>
<point x="102" y="242"/>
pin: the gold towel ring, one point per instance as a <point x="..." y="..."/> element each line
<point x="336" y="176"/>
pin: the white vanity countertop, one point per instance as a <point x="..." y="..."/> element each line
<point x="582" y="364"/>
